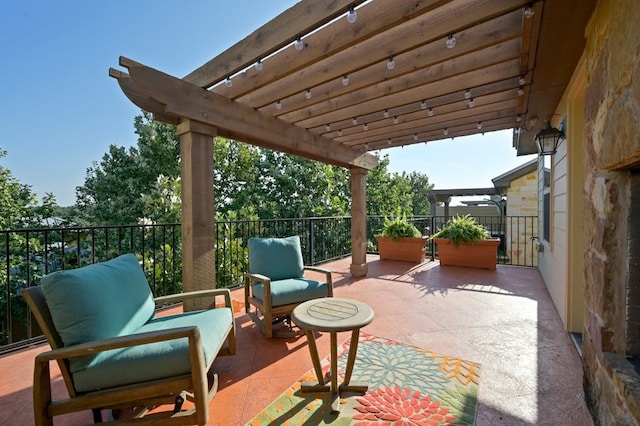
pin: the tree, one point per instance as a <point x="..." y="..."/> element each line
<point x="419" y="187"/>
<point x="16" y="199"/>
<point x="387" y="192"/>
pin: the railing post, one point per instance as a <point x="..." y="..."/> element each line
<point x="311" y="242"/>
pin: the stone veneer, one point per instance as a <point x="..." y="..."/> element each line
<point x="612" y="156"/>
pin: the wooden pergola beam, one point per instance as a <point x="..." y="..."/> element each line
<point x="184" y="100"/>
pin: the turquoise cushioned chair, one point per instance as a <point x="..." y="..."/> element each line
<point x="114" y="352"/>
<point x="276" y="282"/>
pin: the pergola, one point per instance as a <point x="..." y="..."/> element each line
<point x="314" y="84"/>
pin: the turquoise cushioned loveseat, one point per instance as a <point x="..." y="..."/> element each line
<point x="104" y="316"/>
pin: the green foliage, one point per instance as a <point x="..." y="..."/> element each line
<point x="399" y="227"/>
<point x="462" y="229"/>
<point x="16" y="200"/>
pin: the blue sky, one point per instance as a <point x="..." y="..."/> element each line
<point x="60" y="111"/>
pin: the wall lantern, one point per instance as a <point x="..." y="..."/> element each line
<point x="547" y="140"/>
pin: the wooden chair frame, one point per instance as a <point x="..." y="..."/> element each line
<point x="269" y="313"/>
<point x="201" y="385"/>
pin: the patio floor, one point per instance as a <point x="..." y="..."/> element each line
<point x="504" y="320"/>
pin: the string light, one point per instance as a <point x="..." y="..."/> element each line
<point x="430" y="112"/>
<point x="423" y="104"/>
<point x="386" y="113"/>
<point x="415" y="136"/>
<point x="259" y="65"/>
<point x="389" y="141"/>
<point x="471" y="103"/>
<point x="520" y="91"/>
<point x="354" y="120"/>
<point x="395" y="120"/>
<point x="345" y="80"/>
<point x="528" y="11"/>
<point x="365" y="126"/>
<point x="391" y="63"/>
<point x="518" y="118"/>
<point x="278" y="105"/>
<point x="327" y="127"/>
<point x="228" y="82"/>
<point x="340" y="132"/>
<point x="467" y="94"/>
<point x="522" y="80"/>
<point x="451" y="41"/>
<point x="307" y="94"/>
<point x="299" y="43"/>
<point x="479" y="125"/>
<point x="366" y="146"/>
<point x="446" y="131"/>
<point x="352" y="15"/>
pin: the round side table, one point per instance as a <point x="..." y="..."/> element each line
<point x="333" y="314"/>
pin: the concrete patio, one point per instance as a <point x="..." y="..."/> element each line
<point x="504" y="319"/>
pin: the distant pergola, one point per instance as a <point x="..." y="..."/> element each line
<point x="313" y="84"/>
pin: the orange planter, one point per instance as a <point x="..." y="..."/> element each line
<point x="408" y="249"/>
<point x="480" y="254"/>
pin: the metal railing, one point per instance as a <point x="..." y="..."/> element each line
<point x="29" y="254"/>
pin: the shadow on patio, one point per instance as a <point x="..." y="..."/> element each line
<point x="504" y="320"/>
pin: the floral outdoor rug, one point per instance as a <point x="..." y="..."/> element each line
<point x="407" y="386"/>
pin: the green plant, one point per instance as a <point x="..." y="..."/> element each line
<point x="399" y="227"/>
<point x="462" y="229"/>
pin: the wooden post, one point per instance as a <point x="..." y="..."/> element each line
<point x="358" y="222"/>
<point x="198" y="211"/>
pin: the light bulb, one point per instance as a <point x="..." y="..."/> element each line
<point x="386" y="113"/>
<point x="520" y="91"/>
<point x="518" y="118"/>
<point x="307" y="94"/>
<point x="528" y="11"/>
<point x="345" y="80"/>
<point x="391" y="64"/>
<point x="431" y="112"/>
<point x="228" y="82"/>
<point x="479" y="125"/>
<point x="415" y="136"/>
<point x="451" y="41"/>
<point x="446" y="131"/>
<point x="365" y="126"/>
<point x="366" y="147"/>
<point x="467" y="94"/>
<point x="339" y="132"/>
<point x="423" y="104"/>
<point x="299" y="43"/>
<point x="278" y="105"/>
<point x="327" y="127"/>
<point x="395" y="120"/>
<point x="354" y="120"/>
<point x="352" y="15"/>
<point x="471" y="103"/>
<point x="522" y="81"/>
<point x="259" y="65"/>
<point x="389" y="141"/>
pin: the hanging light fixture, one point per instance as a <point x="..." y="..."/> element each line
<point x="345" y="80"/>
<point x="299" y="43"/>
<point x="391" y="63"/>
<point x="547" y="139"/>
<point x="430" y="112"/>
<point x="259" y="64"/>
<point x="451" y="41"/>
<point x="471" y="103"/>
<point x="307" y="94"/>
<point x="352" y="15"/>
<point x="467" y="94"/>
<point x="278" y="105"/>
<point x="227" y="82"/>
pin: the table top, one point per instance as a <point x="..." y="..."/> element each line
<point x="332" y="314"/>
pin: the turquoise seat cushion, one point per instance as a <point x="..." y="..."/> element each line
<point x="292" y="290"/>
<point x="156" y="360"/>
<point x="276" y="258"/>
<point x="98" y="301"/>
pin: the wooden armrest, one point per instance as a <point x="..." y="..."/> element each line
<point x="257" y="277"/>
<point x="91" y="348"/>
<point x="180" y="297"/>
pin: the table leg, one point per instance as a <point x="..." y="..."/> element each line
<point x="351" y="360"/>
<point x="335" y="396"/>
<point x="313" y="349"/>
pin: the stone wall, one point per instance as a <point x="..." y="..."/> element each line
<point x="612" y="144"/>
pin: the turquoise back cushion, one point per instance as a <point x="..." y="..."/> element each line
<point x="97" y="301"/>
<point x="276" y="258"/>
